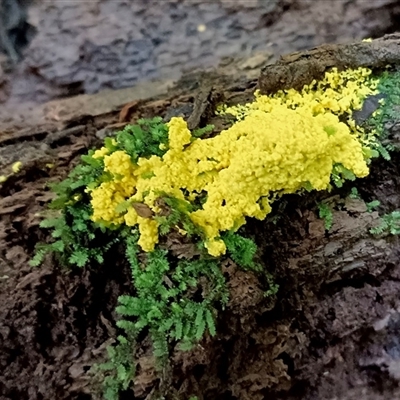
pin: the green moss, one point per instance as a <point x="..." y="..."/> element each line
<point x="387" y="113"/>
<point x="325" y="213"/>
<point x="389" y="224"/>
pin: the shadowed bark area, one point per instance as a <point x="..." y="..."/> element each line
<point x="330" y="332"/>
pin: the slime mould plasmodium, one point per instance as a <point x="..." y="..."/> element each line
<point x="281" y="143"/>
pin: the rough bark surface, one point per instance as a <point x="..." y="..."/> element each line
<point x="330" y="333"/>
<point x="299" y="69"/>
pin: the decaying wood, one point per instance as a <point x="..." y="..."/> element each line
<point x="334" y="287"/>
<point x="299" y="69"/>
<point x="204" y="106"/>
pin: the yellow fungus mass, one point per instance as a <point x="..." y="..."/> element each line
<point x="148" y="229"/>
<point x="120" y="165"/>
<point x="16" y="167"/>
<point x="280" y="144"/>
<point x="100" y="153"/>
<point x="216" y="247"/>
<point x="110" y="194"/>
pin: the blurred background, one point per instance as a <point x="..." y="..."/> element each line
<point x="68" y="47"/>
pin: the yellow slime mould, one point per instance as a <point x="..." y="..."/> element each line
<point x="280" y="144"/>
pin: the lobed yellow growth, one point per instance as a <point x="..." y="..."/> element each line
<point x="100" y="153"/>
<point x="109" y="195"/>
<point x="338" y="93"/>
<point x="16" y="167"/>
<point x="280" y="144"/>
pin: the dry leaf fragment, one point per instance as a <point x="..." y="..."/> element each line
<point x="143" y="210"/>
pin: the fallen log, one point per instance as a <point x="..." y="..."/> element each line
<point x="333" y="324"/>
